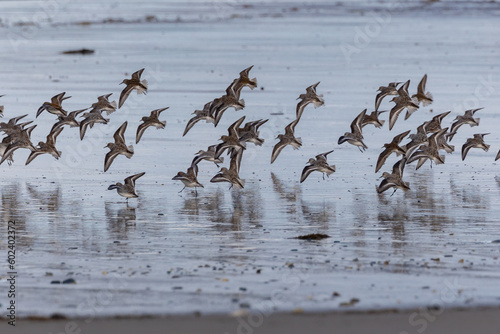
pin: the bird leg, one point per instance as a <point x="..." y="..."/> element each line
<point x="182" y="189"/>
<point x="394" y="191"/>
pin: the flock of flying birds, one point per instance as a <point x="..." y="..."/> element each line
<point x="423" y="145"/>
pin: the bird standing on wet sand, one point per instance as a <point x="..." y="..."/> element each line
<point x="48" y="147"/>
<point x="395" y="179"/>
<point x="391" y="89"/>
<point x="286" y="139"/>
<point x="355" y="137"/>
<point x="231" y="175"/>
<point x="373" y="119"/>
<point x="118" y="147"/>
<point x="189" y="179"/>
<point x="422" y="95"/>
<point x="131" y="84"/>
<point x="309" y="97"/>
<point x="54" y="106"/>
<point x="391" y="147"/>
<point x="476" y="142"/>
<point x="467" y="118"/>
<point x="319" y="164"/>
<point x="127" y="190"/>
<point x="151" y="120"/>
<point x="402" y="101"/>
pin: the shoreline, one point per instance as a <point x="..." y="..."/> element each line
<point x="455" y="320"/>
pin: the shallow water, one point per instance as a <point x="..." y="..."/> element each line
<point x="223" y="250"/>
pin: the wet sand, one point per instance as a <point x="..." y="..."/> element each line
<point x="457" y="321"/>
<point x="223" y="251"/>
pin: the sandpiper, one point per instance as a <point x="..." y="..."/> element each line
<point x="244" y="81"/>
<point x="373" y="119"/>
<point x="19" y="140"/>
<point x="250" y="132"/>
<point x="118" y="147"/>
<point x="91" y="118"/>
<point x="131" y="84"/>
<point x="417" y="139"/>
<point x="152" y="120"/>
<point x="467" y="118"/>
<point x="189" y="179"/>
<point x="54" y="107"/>
<point x="391" y="147"/>
<point x="391" y="89"/>
<point x="286" y="139"/>
<point x="221" y="104"/>
<point x="70" y="120"/>
<point x="355" y="137"/>
<point x="395" y="179"/>
<point x="127" y="190"/>
<point x="208" y="155"/>
<point x="309" y="97"/>
<point x="403" y="100"/>
<point x="103" y="104"/>
<point x="476" y="142"/>
<point x="434" y="125"/>
<point x="11" y="126"/>
<point x="232" y="140"/>
<point x="422" y="95"/>
<point x="205" y="114"/>
<point x="48" y="147"/>
<point x="443" y="143"/>
<point x="430" y="151"/>
<point x="231" y="175"/>
<point x="319" y="164"/>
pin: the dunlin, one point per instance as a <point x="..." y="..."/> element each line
<point x="208" y="155"/>
<point x="131" y="84"/>
<point x="391" y="89"/>
<point x="467" y="118"/>
<point x="402" y="101"/>
<point x="70" y="120"/>
<point x="91" y="118"/>
<point x="476" y="142"/>
<point x="430" y="151"/>
<point x="392" y="147"/>
<point x="19" y="140"/>
<point x="231" y="175"/>
<point x="48" y="147"/>
<point x="286" y="139"/>
<point x="103" y="104"/>
<point x="395" y="179"/>
<point x="319" y="164"/>
<point x="221" y="104"/>
<point x="434" y="125"/>
<point x="422" y="95"/>
<point x="205" y="114"/>
<point x="189" y="179"/>
<point x="250" y="132"/>
<point x="232" y="140"/>
<point x="152" y="120"/>
<point x="373" y="119"/>
<point x="118" y="147"/>
<point x="127" y="190"/>
<point x="54" y="107"/>
<point x="309" y="97"/>
<point x="355" y="137"/>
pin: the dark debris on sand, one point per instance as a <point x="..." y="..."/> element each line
<point x="313" y="236"/>
<point x="79" y="52"/>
